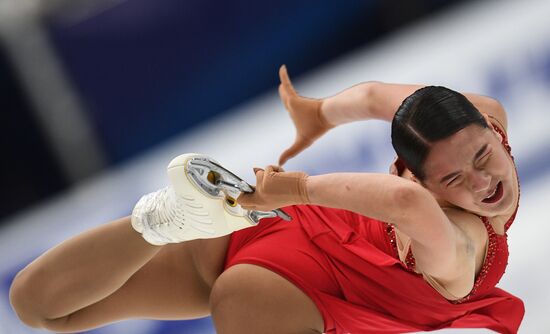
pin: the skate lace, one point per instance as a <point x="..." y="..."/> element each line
<point x="165" y="209"/>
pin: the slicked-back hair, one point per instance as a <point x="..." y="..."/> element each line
<point x="430" y="114"/>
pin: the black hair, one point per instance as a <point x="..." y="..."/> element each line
<point x="430" y="114"/>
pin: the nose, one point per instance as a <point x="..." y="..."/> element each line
<point x="480" y="181"/>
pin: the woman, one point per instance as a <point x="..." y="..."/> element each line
<point x="380" y="254"/>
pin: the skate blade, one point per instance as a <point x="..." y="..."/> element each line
<point x="217" y="181"/>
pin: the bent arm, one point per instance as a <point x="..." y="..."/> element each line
<point x="379" y="100"/>
<point x="384" y="197"/>
<point x="393" y="200"/>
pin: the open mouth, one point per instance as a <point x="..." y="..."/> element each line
<point x="496" y="195"/>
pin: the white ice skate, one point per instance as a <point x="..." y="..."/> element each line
<point x="200" y="203"/>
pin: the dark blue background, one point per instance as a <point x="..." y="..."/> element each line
<point x="148" y="70"/>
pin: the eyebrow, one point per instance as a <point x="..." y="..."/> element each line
<point x="476" y="156"/>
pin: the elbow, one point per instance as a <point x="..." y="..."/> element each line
<point x="20" y="296"/>
<point x="374" y="100"/>
<point x="406" y="197"/>
<point x="368" y="92"/>
<point x="498" y="112"/>
<point x="369" y="89"/>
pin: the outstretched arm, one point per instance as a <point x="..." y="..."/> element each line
<point x="368" y="100"/>
<point x="364" y="101"/>
<point x="379" y="100"/>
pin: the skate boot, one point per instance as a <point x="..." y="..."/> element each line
<point x="200" y="203"/>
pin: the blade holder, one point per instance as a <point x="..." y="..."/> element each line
<point x="216" y="181"/>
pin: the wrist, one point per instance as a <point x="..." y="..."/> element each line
<point x="303" y="190"/>
<point x="326" y="116"/>
<point x="276" y="188"/>
<point x="322" y="118"/>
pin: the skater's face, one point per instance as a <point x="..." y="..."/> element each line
<point x="472" y="170"/>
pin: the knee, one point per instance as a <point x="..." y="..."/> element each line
<point x="21" y="302"/>
<point x="25" y="299"/>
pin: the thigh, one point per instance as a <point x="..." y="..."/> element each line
<point x="208" y="256"/>
<point x="251" y="299"/>
<point x="174" y="284"/>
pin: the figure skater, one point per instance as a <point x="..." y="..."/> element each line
<point x="418" y="249"/>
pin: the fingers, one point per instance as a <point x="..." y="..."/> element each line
<point x="285" y="98"/>
<point x="247" y="200"/>
<point x="393" y="168"/>
<point x="277" y="169"/>
<point x="286" y="90"/>
<point x="285" y="80"/>
<point x="298" y="146"/>
<point x="259" y="176"/>
<point x="257" y="199"/>
<point x="286" y="155"/>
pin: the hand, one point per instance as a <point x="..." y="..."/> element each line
<point x="305" y="113"/>
<point x="275" y="189"/>
<point x="397" y="167"/>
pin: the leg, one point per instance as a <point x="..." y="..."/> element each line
<point x="76" y="287"/>
<point x="168" y="287"/>
<point x="111" y="273"/>
<point x="251" y="299"/>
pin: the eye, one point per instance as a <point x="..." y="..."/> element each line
<point x="455" y="181"/>
<point x="481" y="162"/>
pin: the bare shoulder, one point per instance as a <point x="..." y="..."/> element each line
<point x="490" y="106"/>
<point x="469" y="223"/>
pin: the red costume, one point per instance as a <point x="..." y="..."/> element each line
<point x="349" y="266"/>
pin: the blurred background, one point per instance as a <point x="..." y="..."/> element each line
<point x="98" y="96"/>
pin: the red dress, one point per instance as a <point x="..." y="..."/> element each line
<point x="348" y="265"/>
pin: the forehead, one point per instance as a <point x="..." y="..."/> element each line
<point x="457" y="151"/>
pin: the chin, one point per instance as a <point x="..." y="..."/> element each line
<point x="502" y="207"/>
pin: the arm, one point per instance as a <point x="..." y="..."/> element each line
<point x="490" y="107"/>
<point x="442" y="248"/>
<point x="378" y="100"/>
<point x="384" y="197"/>
<point x="367" y="100"/>
<point x="387" y="198"/>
